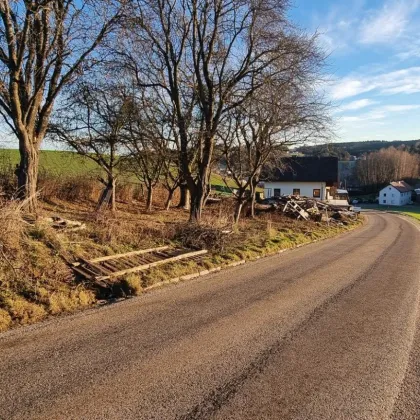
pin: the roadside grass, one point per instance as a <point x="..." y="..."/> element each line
<point x="36" y="280"/>
<point x="412" y="210"/>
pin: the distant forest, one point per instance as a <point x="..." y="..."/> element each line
<point x="344" y="151"/>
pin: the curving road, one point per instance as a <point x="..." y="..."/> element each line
<point x="328" y="331"/>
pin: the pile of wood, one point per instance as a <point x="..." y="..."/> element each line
<point x="102" y="269"/>
<point x="309" y="209"/>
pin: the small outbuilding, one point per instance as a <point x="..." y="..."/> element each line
<point x="397" y="193"/>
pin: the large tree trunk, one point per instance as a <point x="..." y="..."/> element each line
<point x="184" y="201"/>
<point x="27" y="174"/>
<point x="149" y="200"/>
<point x="197" y="200"/>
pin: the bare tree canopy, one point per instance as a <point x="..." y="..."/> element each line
<point x="386" y="165"/>
<point x="202" y="58"/>
<point x="44" y="45"/>
<point x="93" y="121"/>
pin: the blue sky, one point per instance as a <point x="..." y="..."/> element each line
<point x="373" y="64"/>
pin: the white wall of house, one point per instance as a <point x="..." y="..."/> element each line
<point x="307" y="189"/>
<point x="390" y="196"/>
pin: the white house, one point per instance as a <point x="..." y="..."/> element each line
<point x="315" y="177"/>
<point x="397" y="193"/>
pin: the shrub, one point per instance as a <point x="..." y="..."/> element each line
<point x="201" y="237"/>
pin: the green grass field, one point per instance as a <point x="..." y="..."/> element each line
<point x="58" y="163"/>
<point x="412" y="210"/>
<point x="63" y="163"/>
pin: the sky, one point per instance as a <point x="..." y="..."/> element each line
<point x="373" y="64"/>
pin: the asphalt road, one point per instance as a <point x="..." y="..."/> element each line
<point x="328" y="331"/>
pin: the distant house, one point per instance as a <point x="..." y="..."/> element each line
<point x="315" y="177"/>
<point x="397" y="193"/>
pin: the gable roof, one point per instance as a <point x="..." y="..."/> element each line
<point x="401" y="186"/>
<point x="307" y="169"/>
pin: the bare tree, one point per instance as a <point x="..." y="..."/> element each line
<point x="200" y="57"/>
<point x="93" y="122"/>
<point x="44" y="45"/>
<point x="285" y="111"/>
<point x="386" y="165"/>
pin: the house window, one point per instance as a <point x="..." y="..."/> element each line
<point x="268" y="192"/>
<point x="277" y="192"/>
<point x="384" y="202"/>
<point x="296" y="191"/>
<point x="384" y="194"/>
<point x="317" y="193"/>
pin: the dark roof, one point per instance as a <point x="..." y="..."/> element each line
<point x="401" y="186"/>
<point x="307" y="169"/>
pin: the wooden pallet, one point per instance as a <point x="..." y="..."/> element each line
<point x="112" y="266"/>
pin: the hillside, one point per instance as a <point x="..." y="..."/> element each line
<point x="69" y="164"/>
<point x="344" y="149"/>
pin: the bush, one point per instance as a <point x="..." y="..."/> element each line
<point x="201" y="237"/>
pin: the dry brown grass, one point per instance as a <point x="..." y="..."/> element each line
<point x="5" y="320"/>
<point x="11" y="227"/>
<point x="36" y="281"/>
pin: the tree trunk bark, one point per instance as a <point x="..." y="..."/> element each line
<point x="238" y="207"/>
<point x="27" y="174"/>
<point x="108" y="196"/>
<point x="184" y="201"/>
<point x="113" y="195"/>
<point x="197" y="200"/>
<point x="253" y="197"/>
<point x="169" y="199"/>
<point x="149" y="201"/>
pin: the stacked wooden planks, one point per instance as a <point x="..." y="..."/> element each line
<point x="112" y="266"/>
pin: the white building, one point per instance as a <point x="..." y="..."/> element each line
<point x="395" y="194"/>
<point x="311" y="177"/>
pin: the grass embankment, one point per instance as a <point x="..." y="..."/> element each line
<point x="412" y="210"/>
<point x="36" y="280"/>
<point x="66" y="164"/>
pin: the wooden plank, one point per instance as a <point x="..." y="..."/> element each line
<point x="98" y="267"/>
<point x="153" y="264"/>
<point x="109" y="265"/>
<point x="84" y="273"/>
<point x="127" y="254"/>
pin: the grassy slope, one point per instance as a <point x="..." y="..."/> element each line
<point x="62" y="163"/>
<point x="54" y="162"/>
<point x="36" y="282"/>
<point x="412" y="210"/>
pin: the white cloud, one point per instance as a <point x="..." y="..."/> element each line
<point x="400" y="108"/>
<point x="400" y="81"/>
<point x="359" y="104"/>
<point x="388" y="23"/>
<point x="379" y="113"/>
